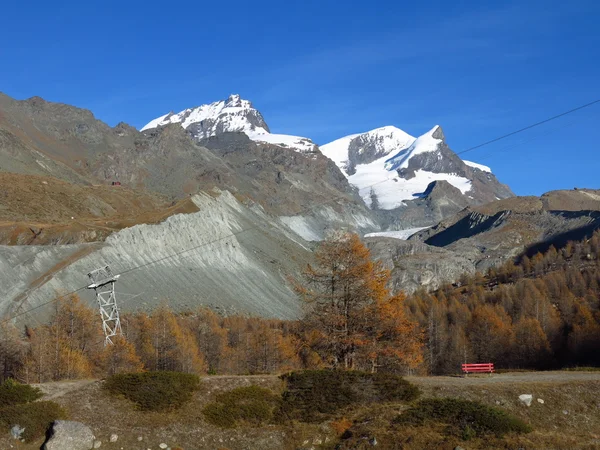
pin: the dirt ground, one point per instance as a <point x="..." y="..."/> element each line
<point x="511" y="377"/>
<point x="568" y="418"/>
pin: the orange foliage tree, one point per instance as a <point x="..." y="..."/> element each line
<point x="353" y="320"/>
<point x="119" y="358"/>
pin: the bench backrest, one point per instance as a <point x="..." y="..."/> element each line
<point x="480" y="367"/>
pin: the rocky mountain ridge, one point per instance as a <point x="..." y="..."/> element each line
<point x="390" y="168"/>
<point x="233" y="115"/>
<point x="263" y="204"/>
<point x="396" y="172"/>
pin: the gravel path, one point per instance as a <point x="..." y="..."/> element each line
<point x="513" y="377"/>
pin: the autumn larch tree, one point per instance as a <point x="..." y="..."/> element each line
<point x="346" y="293"/>
<point x="120" y="357"/>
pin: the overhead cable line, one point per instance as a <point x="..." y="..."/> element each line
<point x="529" y="127"/>
<point x="306" y="209"/>
<point x="131" y="269"/>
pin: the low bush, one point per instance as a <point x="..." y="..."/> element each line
<point x="13" y="393"/>
<point x="154" y="391"/>
<point x="35" y="418"/>
<point x="249" y="405"/>
<point x="314" y="394"/>
<point x="465" y="418"/>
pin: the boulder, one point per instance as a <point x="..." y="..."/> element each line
<point x="526" y="399"/>
<point x="69" y="435"/>
<point x="17" y="432"/>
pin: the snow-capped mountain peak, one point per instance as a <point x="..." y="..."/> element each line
<point x="428" y="142"/>
<point x="390" y="167"/>
<point x="231" y="115"/>
<point x="355" y="149"/>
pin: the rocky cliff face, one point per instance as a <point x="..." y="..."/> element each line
<point x="415" y="265"/>
<point x="498" y="231"/>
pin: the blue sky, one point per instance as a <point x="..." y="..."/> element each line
<point x="325" y="69"/>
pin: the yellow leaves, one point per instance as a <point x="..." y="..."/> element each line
<point x="352" y="308"/>
<point x="120" y="358"/>
<point x="73" y="364"/>
<point x="174" y="347"/>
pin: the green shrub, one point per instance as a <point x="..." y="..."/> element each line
<point x="251" y="405"/>
<point x="13" y="393"/>
<point x="465" y="418"/>
<point x="154" y="391"/>
<point x="36" y="417"/>
<point x="310" y="395"/>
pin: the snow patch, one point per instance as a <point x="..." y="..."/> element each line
<point x="392" y="190"/>
<point x="305" y="145"/>
<point x="478" y="166"/>
<point x="337" y="151"/>
<point x="399" y="234"/>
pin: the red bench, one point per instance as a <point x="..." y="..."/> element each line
<point x="478" y="368"/>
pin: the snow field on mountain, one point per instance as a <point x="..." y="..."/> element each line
<point x="398" y="234"/>
<point x="478" y="166"/>
<point x="337" y="151"/>
<point x="392" y="190"/>
<point x="386" y="140"/>
<point x="231" y="115"/>
<point x="294" y="142"/>
<point x="423" y="144"/>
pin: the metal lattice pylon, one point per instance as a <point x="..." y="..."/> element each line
<point x="103" y="283"/>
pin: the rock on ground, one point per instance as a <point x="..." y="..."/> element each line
<point x="17" y="432"/>
<point x="526" y="399"/>
<point x="69" y="435"/>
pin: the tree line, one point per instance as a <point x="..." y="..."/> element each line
<point x="539" y="313"/>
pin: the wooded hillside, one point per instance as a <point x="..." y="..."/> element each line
<point x="539" y="313"/>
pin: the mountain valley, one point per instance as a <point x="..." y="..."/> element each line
<point x="216" y="210"/>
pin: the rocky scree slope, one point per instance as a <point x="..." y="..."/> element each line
<point x="228" y="255"/>
<point x="479" y="237"/>
<point x="56" y="162"/>
<point x="498" y="231"/>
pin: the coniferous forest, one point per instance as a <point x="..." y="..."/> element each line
<point x="538" y="313"/>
